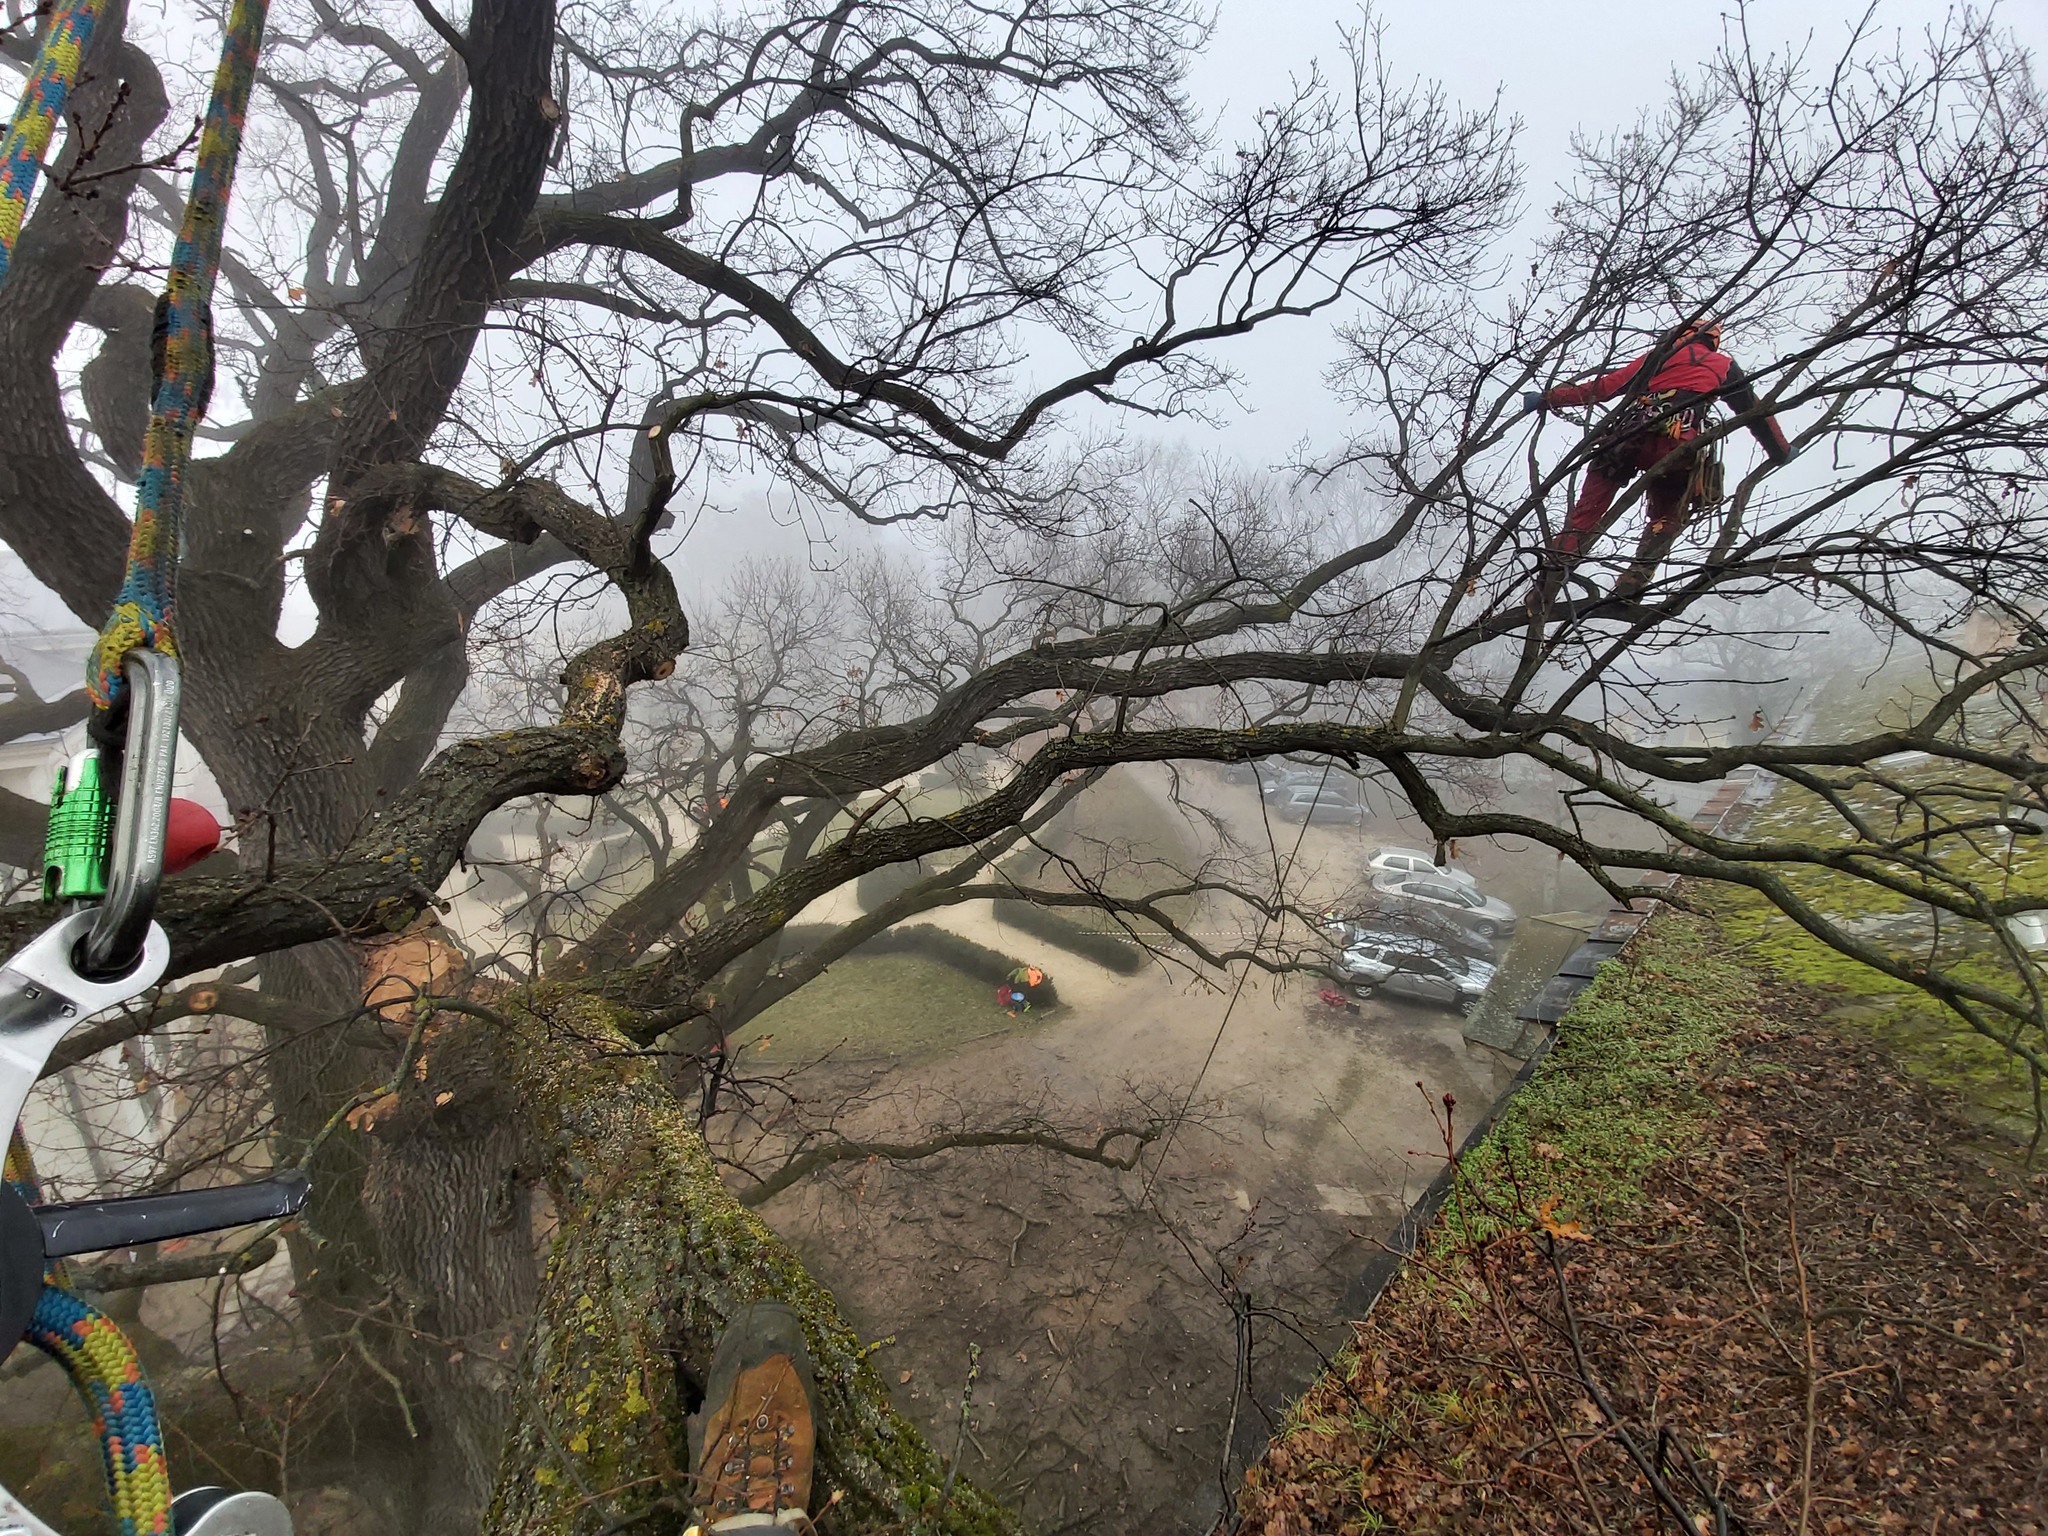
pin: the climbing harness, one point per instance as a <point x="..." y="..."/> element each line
<point x="1709" y="485"/>
<point x="105" y="852"/>
<point x="1668" y="414"/>
<point x="96" y="958"/>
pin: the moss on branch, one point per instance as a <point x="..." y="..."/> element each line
<point x="652" y="1254"/>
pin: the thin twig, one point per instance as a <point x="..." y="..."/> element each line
<point x="389" y="1377"/>
<point x="1812" y="1370"/>
<point x="960" y="1441"/>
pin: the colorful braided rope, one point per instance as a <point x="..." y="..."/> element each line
<point x="143" y="612"/>
<point x="38" y="112"/>
<point x="108" y="1375"/>
<point x="98" y="1357"/>
<point x="104" y="1368"/>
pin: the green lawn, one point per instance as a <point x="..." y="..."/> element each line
<point x="1926" y="1038"/>
<point x="1618" y="1093"/>
<point x="869" y="1007"/>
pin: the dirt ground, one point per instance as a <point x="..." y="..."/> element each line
<point x="1827" y="1313"/>
<point x="1140" y="1332"/>
<point x="1133" y="1325"/>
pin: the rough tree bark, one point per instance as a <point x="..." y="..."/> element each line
<point x="652" y="1255"/>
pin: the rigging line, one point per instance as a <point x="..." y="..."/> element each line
<point x="1282" y="872"/>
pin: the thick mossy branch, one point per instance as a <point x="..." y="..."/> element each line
<point x="389" y="875"/>
<point x="652" y="1255"/>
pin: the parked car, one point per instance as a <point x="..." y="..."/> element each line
<point x="1377" y="960"/>
<point x="1413" y="861"/>
<point x="1437" y="924"/>
<point x="1487" y="916"/>
<point x="1270" y="773"/>
<point x="1337" y="802"/>
<point x="2029" y="930"/>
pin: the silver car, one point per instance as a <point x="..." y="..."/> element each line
<point x="1374" y="960"/>
<point x="1487" y="916"/>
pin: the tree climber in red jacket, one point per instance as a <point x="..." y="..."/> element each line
<point x="1668" y="408"/>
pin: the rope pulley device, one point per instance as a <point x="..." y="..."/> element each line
<point x="107" y="852"/>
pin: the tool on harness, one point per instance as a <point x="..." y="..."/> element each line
<point x="81" y="829"/>
<point x="85" y="826"/>
<point x="1709" y="487"/>
<point x="93" y="959"/>
<point x="43" y="995"/>
<point x="93" y="1226"/>
<point x="113" y="849"/>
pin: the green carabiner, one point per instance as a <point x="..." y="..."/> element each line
<point x="77" y="847"/>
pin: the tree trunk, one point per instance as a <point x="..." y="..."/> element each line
<point x="650" y="1256"/>
<point x="416" y="1245"/>
<point x="455" y="1216"/>
<point x="313" y="1074"/>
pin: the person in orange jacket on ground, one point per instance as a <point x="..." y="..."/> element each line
<point x="1671" y="391"/>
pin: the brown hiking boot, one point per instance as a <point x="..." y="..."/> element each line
<point x="1634" y="582"/>
<point x="754" y="1441"/>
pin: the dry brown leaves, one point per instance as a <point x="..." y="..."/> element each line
<point x="1921" y="1339"/>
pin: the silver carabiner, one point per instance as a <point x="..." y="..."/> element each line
<point x="149" y="763"/>
<point x="44" y="996"/>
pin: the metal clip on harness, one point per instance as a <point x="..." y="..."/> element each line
<point x="97" y="958"/>
<point x="148" y="766"/>
<point x="103" y="956"/>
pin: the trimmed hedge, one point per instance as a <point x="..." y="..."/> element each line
<point x="1046" y="923"/>
<point x="927" y="942"/>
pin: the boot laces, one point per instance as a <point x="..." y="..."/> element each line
<point x="758" y="1469"/>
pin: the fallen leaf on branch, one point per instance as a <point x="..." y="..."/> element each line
<point x="1570" y="1231"/>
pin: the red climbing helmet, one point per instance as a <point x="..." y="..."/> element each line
<point x="1708" y="331"/>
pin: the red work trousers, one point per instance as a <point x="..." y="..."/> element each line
<point x="1613" y="469"/>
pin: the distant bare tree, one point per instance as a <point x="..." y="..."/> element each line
<point x="502" y="293"/>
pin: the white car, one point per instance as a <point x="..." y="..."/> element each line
<point x="1413" y="861"/>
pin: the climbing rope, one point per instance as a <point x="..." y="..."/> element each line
<point x="183" y="357"/>
<point x="37" y="114"/>
<point x="108" y="1375"/>
<point x="101" y="1362"/>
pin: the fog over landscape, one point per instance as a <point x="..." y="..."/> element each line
<point x="1136" y="768"/>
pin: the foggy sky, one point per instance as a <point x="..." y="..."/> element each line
<point x="1562" y="67"/>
